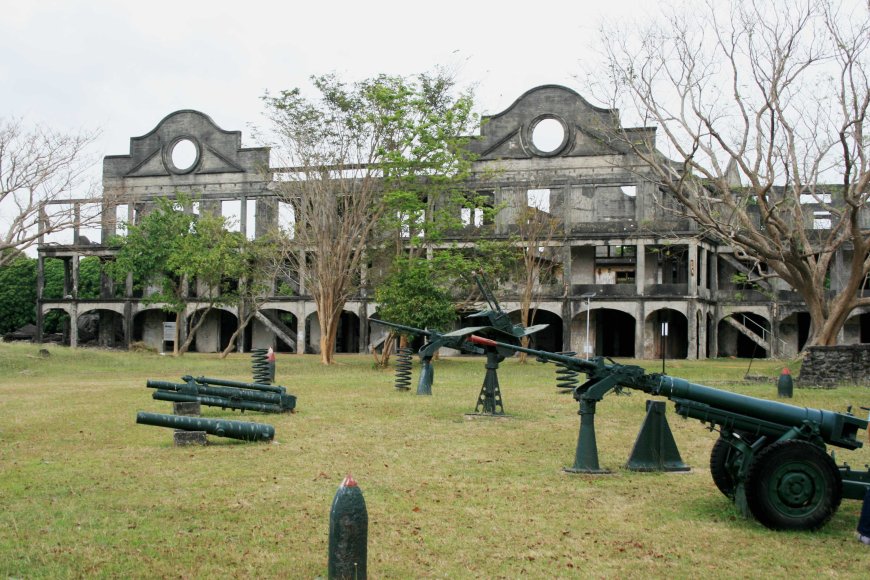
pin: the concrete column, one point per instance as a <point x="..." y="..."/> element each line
<point x="40" y="288"/>
<point x="301" y="335"/>
<point x="693" y="269"/>
<point x="714" y="275"/>
<point x="243" y="216"/>
<point x="639" y="329"/>
<point x="75" y="276"/>
<point x="73" y="325"/>
<point x="702" y="268"/>
<point x="128" y="324"/>
<point x="640" y="268"/>
<point x="362" y="312"/>
<point x="692" y="327"/>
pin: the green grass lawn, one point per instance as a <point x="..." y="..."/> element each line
<point x="85" y="492"/>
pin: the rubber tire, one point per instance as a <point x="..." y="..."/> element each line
<point x="813" y="497"/>
<point x="718" y="461"/>
<point x="719" y="456"/>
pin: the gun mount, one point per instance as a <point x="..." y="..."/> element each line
<point x="434" y="341"/>
<point x="770" y="458"/>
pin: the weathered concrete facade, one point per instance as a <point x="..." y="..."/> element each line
<point x="625" y="262"/>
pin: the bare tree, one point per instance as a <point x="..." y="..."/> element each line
<point x="537" y="230"/>
<point x="762" y="108"/>
<point x="39" y="168"/>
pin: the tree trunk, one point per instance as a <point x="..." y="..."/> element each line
<point x="177" y="334"/>
<point x="192" y="333"/>
<point x="328" y="333"/>
<point x="241" y="327"/>
<point x="383" y="359"/>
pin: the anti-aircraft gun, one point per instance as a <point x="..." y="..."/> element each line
<point x="434" y="341"/>
<point x="770" y="457"/>
<point x="499" y="326"/>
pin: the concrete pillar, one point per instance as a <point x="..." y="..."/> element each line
<point x="362" y="312"/>
<point x="693" y="269"/>
<point x="714" y="275"/>
<point x="639" y="330"/>
<point x="702" y="268"/>
<point x="692" y="330"/>
<point x="75" y="276"/>
<point x="40" y="288"/>
<point x="301" y="334"/>
<point x="128" y="323"/>
<point x="640" y="268"/>
<point x="73" y="325"/>
<point x="243" y="216"/>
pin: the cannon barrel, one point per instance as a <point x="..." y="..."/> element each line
<point x="160" y="395"/>
<point x="236" y="384"/>
<point x="398" y="326"/>
<point x="285" y="402"/>
<point x="759" y="416"/>
<point x="220" y="427"/>
<point x="711" y="405"/>
<point x="578" y="364"/>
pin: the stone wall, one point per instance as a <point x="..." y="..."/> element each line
<point x="826" y="366"/>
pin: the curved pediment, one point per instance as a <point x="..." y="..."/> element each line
<point x="584" y="128"/>
<point x="208" y="149"/>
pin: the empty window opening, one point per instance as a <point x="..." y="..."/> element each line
<point x="821" y="220"/>
<point x="548" y="135"/>
<point x="287" y="219"/>
<point x="539" y="199"/>
<point x="231" y="210"/>
<point x="184" y="154"/>
<point x="472" y="216"/>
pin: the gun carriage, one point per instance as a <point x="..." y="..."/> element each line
<point x="770" y="459"/>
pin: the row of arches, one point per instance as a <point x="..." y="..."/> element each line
<point x="607" y="332"/>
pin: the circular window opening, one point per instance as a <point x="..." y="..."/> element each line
<point x="548" y="135"/>
<point x="184" y="154"/>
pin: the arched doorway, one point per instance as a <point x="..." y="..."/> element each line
<point x="548" y="339"/>
<point x="674" y="345"/>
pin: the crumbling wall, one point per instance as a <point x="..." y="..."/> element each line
<point x="828" y="366"/>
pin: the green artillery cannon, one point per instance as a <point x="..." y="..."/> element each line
<point x="489" y="400"/>
<point x="220" y="427"/>
<point x="269" y="388"/>
<point x="434" y="341"/>
<point x="243" y="396"/>
<point x="770" y="458"/>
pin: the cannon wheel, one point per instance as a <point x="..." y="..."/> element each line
<point x="793" y="485"/>
<point x="721" y="456"/>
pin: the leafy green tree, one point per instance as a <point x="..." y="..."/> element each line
<point x="17" y="294"/>
<point x="18" y="290"/>
<point x="368" y="161"/>
<point x="172" y="248"/>
<point x="414" y="295"/>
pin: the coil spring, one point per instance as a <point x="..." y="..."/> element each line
<point x="260" y="366"/>
<point x="566" y="378"/>
<point x="404" y="361"/>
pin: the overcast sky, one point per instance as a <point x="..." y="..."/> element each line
<point x="122" y="66"/>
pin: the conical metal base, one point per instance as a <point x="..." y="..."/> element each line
<point x="655" y="448"/>
<point x="586" y="456"/>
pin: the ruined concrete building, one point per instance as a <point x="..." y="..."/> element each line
<point x="628" y="268"/>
